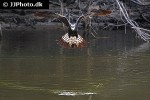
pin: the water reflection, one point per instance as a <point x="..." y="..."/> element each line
<point x="33" y="66"/>
<point x="140" y="48"/>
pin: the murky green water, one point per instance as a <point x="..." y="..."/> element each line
<point x="34" y="67"/>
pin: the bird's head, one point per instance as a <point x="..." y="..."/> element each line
<point x="73" y="26"/>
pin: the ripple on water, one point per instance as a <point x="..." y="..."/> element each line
<point x="72" y="93"/>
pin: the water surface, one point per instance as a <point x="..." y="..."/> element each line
<point x="34" y="67"/>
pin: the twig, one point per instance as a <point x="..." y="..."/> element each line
<point x="141" y="3"/>
<point x="145" y="18"/>
<point x="145" y="36"/>
<point x="115" y="25"/>
<point x="1" y="30"/>
<point x="54" y="3"/>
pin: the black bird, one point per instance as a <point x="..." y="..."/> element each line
<point x="71" y="38"/>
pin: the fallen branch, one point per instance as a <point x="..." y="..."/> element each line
<point x="140" y="31"/>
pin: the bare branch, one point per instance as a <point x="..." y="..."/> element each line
<point x="143" y="33"/>
<point x="141" y="2"/>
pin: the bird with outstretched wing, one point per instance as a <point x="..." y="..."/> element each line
<point x="71" y="39"/>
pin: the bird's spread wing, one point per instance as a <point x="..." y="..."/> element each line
<point x="63" y="19"/>
<point x="79" y="19"/>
